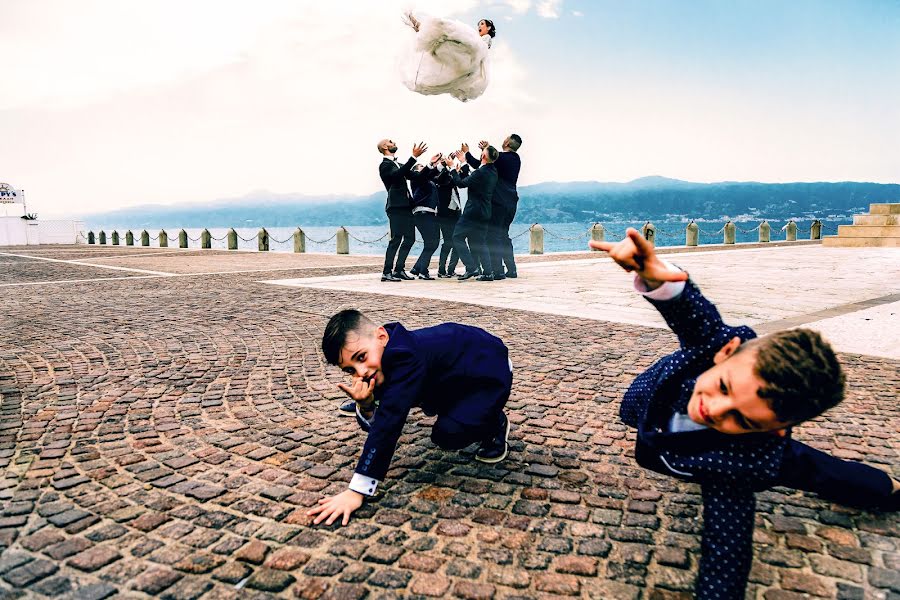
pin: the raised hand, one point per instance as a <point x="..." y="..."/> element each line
<point x="464" y="148"/>
<point x="334" y="507"/>
<point x="483" y="144"/>
<point x="449" y="160"/>
<point x="634" y="253"/>
<point x="436" y="158"/>
<point x="419" y="149"/>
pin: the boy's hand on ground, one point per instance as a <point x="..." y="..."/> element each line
<point x="634" y="253"/>
<point x="340" y="506"/>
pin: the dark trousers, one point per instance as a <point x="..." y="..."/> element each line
<point x="447" y="225"/>
<point x="475" y="417"/>
<point x="428" y="227"/>
<point x="469" y="242"/>
<point x="403" y="235"/>
<point x="506" y="246"/>
<point x="843" y="481"/>
<point x="498" y="234"/>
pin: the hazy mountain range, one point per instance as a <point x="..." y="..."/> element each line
<point x="551" y="202"/>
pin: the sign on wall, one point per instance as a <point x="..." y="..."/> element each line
<point x="10" y="195"/>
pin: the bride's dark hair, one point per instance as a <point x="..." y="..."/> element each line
<point x="492" y="31"/>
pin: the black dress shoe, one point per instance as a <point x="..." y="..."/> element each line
<point x="499" y="277"/>
<point x="496" y="448"/>
<point x="426" y="276"/>
<point x="389" y="277"/>
<point x="486" y="277"/>
<point x="511" y="274"/>
<point x="413" y="272"/>
<point x="467" y="275"/>
<point x="347" y="409"/>
<point x="403" y="275"/>
<point x="442" y="273"/>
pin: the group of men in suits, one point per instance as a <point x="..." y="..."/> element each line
<point x="476" y="234"/>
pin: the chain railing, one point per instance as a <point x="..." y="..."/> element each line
<point x="691" y="234"/>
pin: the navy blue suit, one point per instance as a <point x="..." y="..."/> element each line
<point x="457" y="372"/>
<point x="729" y="468"/>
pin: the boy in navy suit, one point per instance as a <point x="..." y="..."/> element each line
<point x="460" y="373"/>
<point x="718" y="412"/>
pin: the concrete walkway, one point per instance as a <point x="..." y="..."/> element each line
<point x="851" y="295"/>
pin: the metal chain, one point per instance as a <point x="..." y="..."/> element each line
<point x="245" y="239"/>
<point x="353" y="237"/>
<point x="520" y="235"/>
<point x="551" y="234"/>
<point x="271" y="239"/>
<point x="323" y="241"/>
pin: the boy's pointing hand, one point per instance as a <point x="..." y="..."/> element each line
<point x="634" y="253"/>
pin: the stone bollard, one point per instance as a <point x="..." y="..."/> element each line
<point x="206" y="240"/>
<point x="691" y="234"/>
<point x="92" y="239"/>
<point x="536" y="240"/>
<point x="182" y="239"/>
<point x="163" y="239"/>
<point x="815" y="230"/>
<point x="232" y="239"/>
<point x="729" y="232"/>
<point x="145" y="238"/>
<point x="649" y="232"/>
<point x="103" y="237"/>
<point x="115" y="238"/>
<point x="343" y="241"/>
<point x="263" y="240"/>
<point x="597" y="234"/>
<point x="765" y="232"/>
<point x="299" y="241"/>
<point x="129" y="238"/>
<point x="791" y="234"/>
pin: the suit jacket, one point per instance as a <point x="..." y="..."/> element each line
<point x="394" y="179"/>
<point x="446" y="191"/>
<point x="424" y="188"/>
<point x="481" y="183"/>
<point x="508" y="165"/>
<point x="431" y="368"/>
<point x="729" y="468"/>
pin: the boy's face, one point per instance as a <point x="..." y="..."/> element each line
<point x="726" y="399"/>
<point x="361" y="355"/>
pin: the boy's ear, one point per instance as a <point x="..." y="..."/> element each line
<point x="727" y="350"/>
<point x="381" y="335"/>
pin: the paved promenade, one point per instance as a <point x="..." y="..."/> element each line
<point x="166" y="420"/>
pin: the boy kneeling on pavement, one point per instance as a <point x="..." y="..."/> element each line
<point x="460" y="373"/>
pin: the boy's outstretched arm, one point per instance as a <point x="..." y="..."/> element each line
<point x="692" y="317"/>
<point x="634" y="253"/>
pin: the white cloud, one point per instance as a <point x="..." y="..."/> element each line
<point x="549" y="9"/>
<point x="577" y="13"/>
<point x="519" y="7"/>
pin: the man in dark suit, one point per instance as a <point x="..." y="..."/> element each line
<point x="469" y="238"/>
<point x="719" y="411"/>
<point x="398" y="208"/>
<point x="503" y="205"/>
<point x="460" y="373"/>
<point x="448" y="211"/>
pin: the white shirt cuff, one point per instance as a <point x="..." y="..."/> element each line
<point x="363" y="485"/>
<point x="667" y="291"/>
<point x="360" y="415"/>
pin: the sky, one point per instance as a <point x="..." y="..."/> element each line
<point x="107" y="104"/>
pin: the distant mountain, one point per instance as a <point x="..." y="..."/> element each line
<point x="550" y="202"/>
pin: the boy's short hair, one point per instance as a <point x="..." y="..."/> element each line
<point x="801" y="375"/>
<point x="339" y="326"/>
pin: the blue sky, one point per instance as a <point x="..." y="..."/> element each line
<point x="123" y="102"/>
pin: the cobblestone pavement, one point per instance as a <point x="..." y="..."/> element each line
<point x="164" y="436"/>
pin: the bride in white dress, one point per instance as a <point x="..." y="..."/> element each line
<point x="448" y="57"/>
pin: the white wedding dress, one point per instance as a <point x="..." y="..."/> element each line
<point x="447" y="57"/>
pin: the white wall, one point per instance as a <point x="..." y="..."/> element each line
<point x="15" y="231"/>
